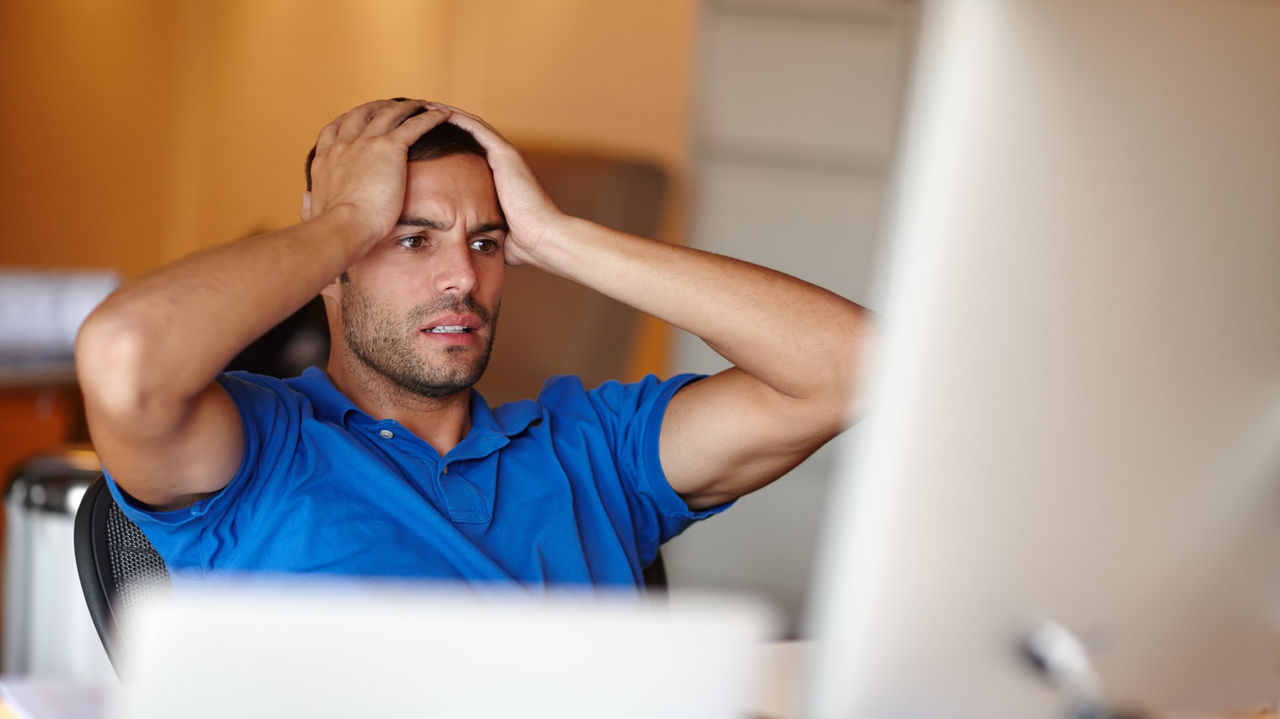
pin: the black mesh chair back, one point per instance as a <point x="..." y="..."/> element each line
<point x="117" y="564"/>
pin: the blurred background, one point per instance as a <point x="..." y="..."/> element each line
<point x="137" y="131"/>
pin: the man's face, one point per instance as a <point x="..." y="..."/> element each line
<point x="421" y="308"/>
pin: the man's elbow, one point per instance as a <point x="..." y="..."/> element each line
<point x="820" y="417"/>
<point x="112" y="365"/>
<point x="834" y="419"/>
<point x="845" y="395"/>
<point x="834" y="402"/>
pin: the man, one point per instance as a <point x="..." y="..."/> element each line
<point x="387" y="463"/>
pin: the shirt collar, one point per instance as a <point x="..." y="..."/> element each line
<point x="506" y="421"/>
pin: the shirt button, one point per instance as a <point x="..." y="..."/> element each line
<point x="444" y="469"/>
<point x="386" y="434"/>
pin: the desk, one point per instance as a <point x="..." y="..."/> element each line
<point x="779" y="696"/>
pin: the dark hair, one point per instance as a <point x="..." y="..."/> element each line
<point x="442" y="140"/>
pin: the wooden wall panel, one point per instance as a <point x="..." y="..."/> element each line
<point x="84" y="130"/>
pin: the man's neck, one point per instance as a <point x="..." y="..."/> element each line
<point x="441" y="422"/>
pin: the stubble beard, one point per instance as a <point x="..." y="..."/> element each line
<point x="387" y="345"/>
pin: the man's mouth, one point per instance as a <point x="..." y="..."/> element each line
<point x="457" y="326"/>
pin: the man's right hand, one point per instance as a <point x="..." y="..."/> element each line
<point x="360" y="162"/>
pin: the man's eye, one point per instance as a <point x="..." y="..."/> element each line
<point x="484" y="245"/>
<point x="413" y="242"/>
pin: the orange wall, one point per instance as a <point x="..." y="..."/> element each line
<point x="135" y="131"/>
<point x="84" y="88"/>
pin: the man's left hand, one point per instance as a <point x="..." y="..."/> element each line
<point x="531" y="215"/>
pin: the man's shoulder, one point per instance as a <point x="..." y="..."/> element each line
<point x="311" y="383"/>
<point x="250" y="387"/>
<point x="311" y="392"/>
<point x="242" y="377"/>
<point x="568" y="392"/>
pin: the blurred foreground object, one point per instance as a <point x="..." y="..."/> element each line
<point x="47" y="630"/>
<point x="339" y="649"/>
<point x="1074" y="414"/>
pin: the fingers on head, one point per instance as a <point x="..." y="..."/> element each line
<point x="394" y="114"/>
<point x="347" y="125"/>
<point x="489" y="138"/>
<point x="356" y="121"/>
<point x="371" y="117"/>
<point x="411" y="128"/>
<point x="462" y="118"/>
<point x="327" y="135"/>
<point x="410" y="118"/>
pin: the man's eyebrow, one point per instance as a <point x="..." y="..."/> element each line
<point x="429" y="224"/>
<point x="488" y="227"/>
<point x="420" y="222"/>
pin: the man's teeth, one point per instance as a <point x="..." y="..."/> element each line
<point x="450" y="329"/>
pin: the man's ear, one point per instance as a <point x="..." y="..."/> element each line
<point x="305" y="212"/>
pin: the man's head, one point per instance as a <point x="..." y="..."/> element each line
<point x="419" y="311"/>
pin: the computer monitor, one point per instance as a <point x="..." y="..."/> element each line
<point x="1073" y="427"/>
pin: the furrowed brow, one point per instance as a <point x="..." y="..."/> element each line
<point x="420" y="222"/>
<point x="488" y="227"/>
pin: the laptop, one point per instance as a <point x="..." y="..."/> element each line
<point x="337" y="650"/>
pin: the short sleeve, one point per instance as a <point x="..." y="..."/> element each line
<point x="269" y="415"/>
<point x="632" y="415"/>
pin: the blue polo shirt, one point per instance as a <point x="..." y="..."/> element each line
<point x="567" y="489"/>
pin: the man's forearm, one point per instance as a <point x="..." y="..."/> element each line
<point x="167" y="335"/>
<point x="795" y="337"/>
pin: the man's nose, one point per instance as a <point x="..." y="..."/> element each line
<point x="455" y="269"/>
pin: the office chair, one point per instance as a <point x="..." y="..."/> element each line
<point x="117" y="565"/>
<point x="655" y="575"/>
